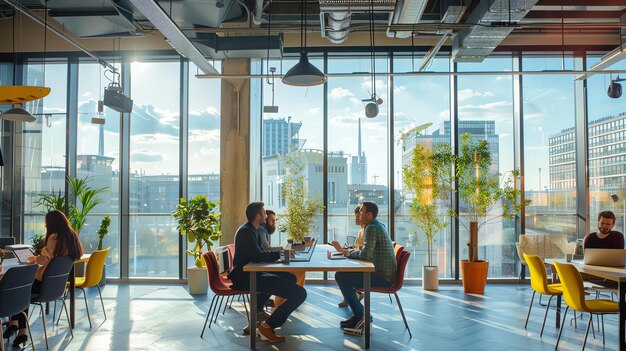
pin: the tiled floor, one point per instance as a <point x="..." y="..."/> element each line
<point x="166" y="317"/>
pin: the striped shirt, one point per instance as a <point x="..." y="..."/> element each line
<point x="378" y="249"/>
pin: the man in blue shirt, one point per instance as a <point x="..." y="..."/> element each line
<point x="248" y="249"/>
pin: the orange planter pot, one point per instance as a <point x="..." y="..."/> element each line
<point x="474" y="275"/>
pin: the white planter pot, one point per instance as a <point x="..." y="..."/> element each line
<point x="430" y="277"/>
<point x="197" y="280"/>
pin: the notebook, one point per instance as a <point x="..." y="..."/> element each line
<point x="605" y="257"/>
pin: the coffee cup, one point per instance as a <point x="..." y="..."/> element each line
<point x="569" y="257"/>
<point x="287" y="255"/>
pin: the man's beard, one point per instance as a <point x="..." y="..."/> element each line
<point x="604" y="231"/>
<point x="270" y="228"/>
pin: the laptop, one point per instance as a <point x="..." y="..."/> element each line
<point x="22" y="254"/>
<point x="300" y="256"/>
<point x="605" y="257"/>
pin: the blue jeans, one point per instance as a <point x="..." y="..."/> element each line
<point x="350" y="281"/>
<point x="281" y="284"/>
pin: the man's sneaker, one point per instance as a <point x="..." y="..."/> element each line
<point x="268" y="334"/>
<point x="246" y="330"/>
<point x="343" y="303"/>
<point x="262" y="316"/>
<point x="269" y="303"/>
<point x="354" y="323"/>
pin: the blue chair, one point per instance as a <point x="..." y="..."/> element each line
<point x="53" y="285"/>
<point x="15" y="288"/>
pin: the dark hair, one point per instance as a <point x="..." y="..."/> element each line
<point x="270" y="212"/>
<point x="607" y="214"/>
<point x="67" y="239"/>
<point x="357" y="209"/>
<point x="253" y="209"/>
<point x="371" y="207"/>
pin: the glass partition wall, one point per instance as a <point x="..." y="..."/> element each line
<point x="348" y="158"/>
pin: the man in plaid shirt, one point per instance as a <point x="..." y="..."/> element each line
<point x="379" y="250"/>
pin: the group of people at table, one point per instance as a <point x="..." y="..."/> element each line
<point x="60" y="240"/>
<point x="252" y="245"/>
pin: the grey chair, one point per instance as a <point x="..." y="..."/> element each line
<point x="15" y="288"/>
<point x="53" y="285"/>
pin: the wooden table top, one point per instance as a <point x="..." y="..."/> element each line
<point x="616" y="274"/>
<point x="319" y="263"/>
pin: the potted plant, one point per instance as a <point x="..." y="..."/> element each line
<point x="199" y="220"/>
<point x="421" y="181"/>
<point x="37" y="241"/>
<point x="103" y="231"/>
<point x="300" y="207"/>
<point x="481" y="192"/>
<point x="84" y="195"/>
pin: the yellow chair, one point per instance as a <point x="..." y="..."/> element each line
<point x="93" y="275"/>
<point x="539" y="283"/>
<point x="574" y="296"/>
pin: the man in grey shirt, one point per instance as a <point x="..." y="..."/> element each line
<point x="267" y="229"/>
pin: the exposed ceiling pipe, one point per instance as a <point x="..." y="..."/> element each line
<point x="74" y="43"/>
<point x="338" y="27"/>
<point x="258" y="12"/>
<point x="453" y="15"/>
<point x="336" y="15"/>
<point x="407" y="12"/>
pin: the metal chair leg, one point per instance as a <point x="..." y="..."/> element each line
<point x="593" y="329"/>
<point x="30" y="335"/>
<point x="602" y="316"/>
<point x="216" y="310"/>
<point x="245" y="306"/>
<point x="43" y="321"/>
<point x="530" y="308"/>
<point x="545" y="316"/>
<point x="587" y="333"/>
<point x="562" y="326"/>
<point x="391" y="302"/>
<point x="226" y="304"/>
<point x="207" y="316"/>
<point x="69" y="324"/>
<point x="102" y="302"/>
<point x="402" y="313"/>
<point x="86" y="306"/>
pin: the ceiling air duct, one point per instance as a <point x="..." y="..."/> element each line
<point x="494" y="20"/>
<point x="408" y="12"/>
<point x="336" y="15"/>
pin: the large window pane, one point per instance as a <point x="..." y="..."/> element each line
<point x="607" y="149"/>
<point x="486" y="112"/>
<point x="43" y="143"/>
<point x="549" y="148"/>
<point x="154" y="176"/>
<point x="98" y="160"/>
<point x="430" y="95"/>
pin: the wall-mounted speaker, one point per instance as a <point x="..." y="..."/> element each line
<point x="615" y="90"/>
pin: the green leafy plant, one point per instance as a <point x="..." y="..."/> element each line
<point x="38" y="242"/>
<point x="103" y="230"/>
<point x="300" y="207"/>
<point x="86" y="198"/>
<point x="481" y="190"/>
<point x="199" y="220"/>
<point x="421" y="181"/>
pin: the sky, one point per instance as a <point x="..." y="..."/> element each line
<point x="548" y="103"/>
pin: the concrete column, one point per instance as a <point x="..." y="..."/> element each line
<point x="235" y="147"/>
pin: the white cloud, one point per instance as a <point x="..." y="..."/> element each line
<point x="355" y="101"/>
<point x="209" y="110"/>
<point x="469" y="93"/>
<point x="499" y="111"/>
<point x="145" y="155"/>
<point x="338" y="93"/>
<point x="199" y="135"/>
<point x="204" y="151"/>
<point x="86" y="94"/>
<point x="315" y="110"/>
<point x="157" y="138"/>
<point x="399" y="88"/>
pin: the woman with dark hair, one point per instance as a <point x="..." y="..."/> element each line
<point x="60" y="240"/>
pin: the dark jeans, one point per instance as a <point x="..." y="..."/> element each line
<point x="281" y="284"/>
<point x="350" y="281"/>
<point x="21" y="321"/>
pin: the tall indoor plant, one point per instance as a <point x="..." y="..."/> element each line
<point x="481" y="192"/>
<point x="421" y="181"/>
<point x="199" y="220"/>
<point x="300" y="207"/>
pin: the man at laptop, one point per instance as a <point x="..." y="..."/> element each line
<point x="248" y="249"/>
<point x="605" y="237"/>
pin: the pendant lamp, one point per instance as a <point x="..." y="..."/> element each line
<point x="18" y="114"/>
<point x="304" y="74"/>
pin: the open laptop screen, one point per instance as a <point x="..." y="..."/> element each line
<point x="22" y="255"/>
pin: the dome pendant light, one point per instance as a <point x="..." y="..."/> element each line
<point x="304" y="74"/>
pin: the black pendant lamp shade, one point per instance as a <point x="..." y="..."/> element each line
<point x="304" y="74"/>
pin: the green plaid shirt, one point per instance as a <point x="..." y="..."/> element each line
<point x="378" y="249"/>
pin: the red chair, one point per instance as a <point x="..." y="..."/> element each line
<point x="231" y="253"/>
<point x="221" y="288"/>
<point x="402" y="260"/>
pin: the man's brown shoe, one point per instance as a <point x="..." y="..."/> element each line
<point x="268" y="334"/>
<point x="246" y="330"/>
